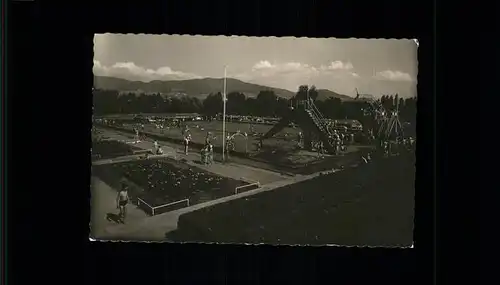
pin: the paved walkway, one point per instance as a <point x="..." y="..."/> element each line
<point x="104" y="213"/>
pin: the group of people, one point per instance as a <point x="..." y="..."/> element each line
<point x="339" y="141"/>
<point x="230" y="146"/>
<point x="408" y="142"/>
<point x="208" y="148"/>
<point x="157" y="149"/>
<point x="139" y="132"/>
<point x="207" y="154"/>
<point x="395" y="146"/>
<point x="320" y="148"/>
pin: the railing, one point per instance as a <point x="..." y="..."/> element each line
<point x="321" y="118"/>
<point x="317" y="112"/>
<point x="246" y="186"/>
<point x="318" y="116"/>
<point x="153" y="209"/>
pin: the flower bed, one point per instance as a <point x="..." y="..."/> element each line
<point x="111" y="149"/>
<point x="167" y="181"/>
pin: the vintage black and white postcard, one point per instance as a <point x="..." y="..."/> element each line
<point x="248" y="140"/>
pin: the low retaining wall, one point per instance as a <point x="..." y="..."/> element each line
<point x="176" y="205"/>
<point x="160" y="209"/>
<point x="247" y="187"/>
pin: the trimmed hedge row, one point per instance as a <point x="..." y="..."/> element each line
<point x="369" y="205"/>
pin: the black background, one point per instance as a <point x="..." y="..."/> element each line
<point x="50" y="53"/>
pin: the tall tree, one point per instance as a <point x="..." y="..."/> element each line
<point x="267" y="102"/>
<point x="212" y="105"/>
<point x="235" y="103"/>
<point x="251" y="107"/>
<point x="313" y="93"/>
<point x="302" y="92"/>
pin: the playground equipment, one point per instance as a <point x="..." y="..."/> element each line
<point x="310" y="120"/>
<point x="387" y="124"/>
<point x="391" y="128"/>
<point x="373" y="108"/>
<point x="230" y="140"/>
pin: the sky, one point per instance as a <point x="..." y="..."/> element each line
<point x="372" y="66"/>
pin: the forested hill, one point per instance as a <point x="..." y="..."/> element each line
<point x="199" y="88"/>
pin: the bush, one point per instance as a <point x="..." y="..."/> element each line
<point x="368" y="205"/>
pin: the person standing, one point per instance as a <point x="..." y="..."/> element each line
<point x="121" y="203"/>
<point x="300" y="139"/>
<point x="187" y="138"/>
<point x="210" y="153"/>
<point x="321" y="149"/>
<point x="136" y="130"/>
<point x="228" y="145"/>
<point x="156" y="146"/>
<point x="208" y="138"/>
<point x="386" y="148"/>
<point x="204" y="155"/>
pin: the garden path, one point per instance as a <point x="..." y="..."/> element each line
<point x="104" y="212"/>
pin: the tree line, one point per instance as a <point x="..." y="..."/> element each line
<point x="266" y="104"/>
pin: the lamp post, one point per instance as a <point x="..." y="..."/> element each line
<point x="224" y="118"/>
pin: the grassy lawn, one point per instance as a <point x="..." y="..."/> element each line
<point x="199" y="131"/>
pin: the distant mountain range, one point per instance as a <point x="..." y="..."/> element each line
<point x="199" y="88"/>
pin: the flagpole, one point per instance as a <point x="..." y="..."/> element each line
<point x="224" y="118"/>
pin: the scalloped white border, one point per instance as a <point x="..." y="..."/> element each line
<point x="93" y="239"/>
